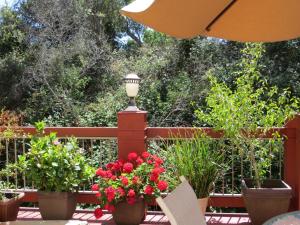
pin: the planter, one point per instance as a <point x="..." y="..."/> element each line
<point x="9" y="208"/>
<point x="203" y="202"/>
<point x="56" y="205"/>
<point x="126" y="214"/>
<point x="266" y="202"/>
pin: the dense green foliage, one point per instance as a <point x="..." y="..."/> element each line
<point x="52" y="165"/>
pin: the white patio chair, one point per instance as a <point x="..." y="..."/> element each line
<point x="181" y="206"/>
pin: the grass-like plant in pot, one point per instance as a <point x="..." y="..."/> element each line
<point x="200" y="162"/>
<point x="239" y="113"/>
<point x="57" y="170"/>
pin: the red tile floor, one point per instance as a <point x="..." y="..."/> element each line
<point x="154" y="218"/>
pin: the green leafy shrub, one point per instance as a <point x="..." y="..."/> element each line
<point x="53" y="165"/>
<point x="4" y="195"/>
<point x="251" y="105"/>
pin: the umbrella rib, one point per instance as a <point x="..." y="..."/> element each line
<point x="220" y="15"/>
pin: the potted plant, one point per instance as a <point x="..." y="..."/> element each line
<point x="9" y="201"/>
<point x="56" y="169"/>
<point x="239" y="113"/>
<point x="125" y="187"/>
<point x="199" y="162"/>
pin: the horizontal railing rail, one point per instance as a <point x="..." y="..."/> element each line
<point x="151" y="132"/>
<point x="190" y="132"/>
<point x="79" y="132"/>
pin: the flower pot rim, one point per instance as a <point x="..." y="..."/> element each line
<point x="285" y="186"/>
<point x="50" y="194"/>
<point x="19" y="196"/>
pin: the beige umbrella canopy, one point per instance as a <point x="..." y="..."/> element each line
<point x="239" y="20"/>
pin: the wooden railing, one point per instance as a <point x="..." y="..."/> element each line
<point x="133" y="133"/>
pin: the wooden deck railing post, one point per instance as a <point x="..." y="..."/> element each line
<point x="131" y="132"/>
<point x="292" y="161"/>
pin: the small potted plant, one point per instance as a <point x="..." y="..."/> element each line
<point x="9" y="200"/>
<point x="125" y="187"/>
<point x="199" y="161"/>
<point x="56" y="169"/>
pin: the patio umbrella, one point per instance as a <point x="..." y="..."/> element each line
<point x="240" y="20"/>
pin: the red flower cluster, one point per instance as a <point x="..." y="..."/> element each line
<point x="137" y="178"/>
<point x="98" y="213"/>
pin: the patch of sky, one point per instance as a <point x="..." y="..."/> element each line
<point x="7" y="3"/>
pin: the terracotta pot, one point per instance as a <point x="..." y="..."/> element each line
<point x="266" y="202"/>
<point x="126" y="214"/>
<point x="203" y="202"/>
<point x="9" y="208"/>
<point x="57" y="205"/>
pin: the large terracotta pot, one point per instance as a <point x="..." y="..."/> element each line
<point x="203" y="202"/>
<point x="126" y="214"/>
<point x="57" y="205"/>
<point x="266" y="202"/>
<point x="9" y="208"/>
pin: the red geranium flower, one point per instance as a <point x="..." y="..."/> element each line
<point x="95" y="187"/>
<point x="132" y="156"/>
<point x="128" y="167"/>
<point x="100" y="172"/>
<point x="154" y="177"/>
<point x="120" y="162"/>
<point x="158" y="161"/>
<point x="98" y="194"/>
<point x="135" y="179"/>
<point x="157" y="170"/>
<point x="124" y="181"/>
<point x="162" y="169"/>
<point x="109" y="166"/>
<point x="121" y="191"/>
<point x="162" y="185"/>
<point x="145" y="155"/>
<point x="110" y="193"/>
<point x="116" y="166"/>
<point x="149" y="190"/>
<point x="113" y="177"/>
<point x="108" y="174"/>
<point x="139" y="161"/>
<point x="98" y="213"/>
<point x="131" y="193"/>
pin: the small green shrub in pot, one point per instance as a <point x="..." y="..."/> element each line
<point x="57" y="170"/>
<point x="199" y="162"/>
<point x="9" y="199"/>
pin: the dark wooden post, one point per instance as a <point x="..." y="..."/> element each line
<point x="131" y="132"/>
<point x="292" y="160"/>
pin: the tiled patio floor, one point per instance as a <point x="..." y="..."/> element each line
<point x="154" y="218"/>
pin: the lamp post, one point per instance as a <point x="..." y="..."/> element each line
<point x="132" y="83"/>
